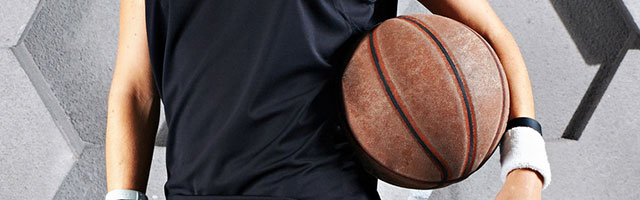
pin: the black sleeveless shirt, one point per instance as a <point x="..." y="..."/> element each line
<point x="248" y="96"/>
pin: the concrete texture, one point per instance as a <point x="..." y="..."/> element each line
<point x="600" y="29"/>
<point x="14" y="17"/>
<point x="604" y="164"/>
<point x="86" y="180"/>
<point x="388" y="191"/>
<point x="410" y="6"/>
<point x="570" y="46"/>
<point x="73" y="43"/>
<point x="559" y="74"/>
<point x="50" y="101"/>
<point x="605" y="160"/>
<point x="53" y="110"/>
<point x="483" y="184"/>
<point x="163" y="130"/>
<point x="634" y="10"/>
<point x="34" y="156"/>
<point x="157" y="175"/>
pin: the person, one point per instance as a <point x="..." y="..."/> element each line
<point x="249" y="104"/>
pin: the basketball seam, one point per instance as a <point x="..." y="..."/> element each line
<point x="438" y="183"/>
<point x="392" y="171"/>
<point x="462" y="86"/>
<point x="504" y="96"/>
<point x="413" y="131"/>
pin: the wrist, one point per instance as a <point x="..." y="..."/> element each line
<point x="524" y="122"/>
<point x="521" y="184"/>
<point x="523" y="148"/>
<point x="125" y="194"/>
<point x="525" y="176"/>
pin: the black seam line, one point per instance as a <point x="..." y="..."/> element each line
<point x="460" y="84"/>
<point x="504" y="95"/>
<point x="397" y="107"/>
<point x="370" y="157"/>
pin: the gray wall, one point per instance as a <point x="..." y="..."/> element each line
<point x="57" y="58"/>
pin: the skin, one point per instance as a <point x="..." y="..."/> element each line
<point x="133" y="106"/>
<point x="478" y="14"/>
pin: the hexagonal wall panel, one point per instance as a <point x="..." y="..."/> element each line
<point x="634" y="10"/>
<point x="157" y="175"/>
<point x="34" y="156"/>
<point x="563" y="49"/>
<point x="563" y="58"/>
<point x="15" y="15"/>
<point x="605" y="161"/>
<point x="73" y="44"/>
<point x="87" y="177"/>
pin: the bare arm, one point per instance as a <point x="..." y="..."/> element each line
<point x="133" y="107"/>
<point x="479" y="15"/>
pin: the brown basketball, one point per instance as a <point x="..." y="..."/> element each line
<point x="426" y="101"/>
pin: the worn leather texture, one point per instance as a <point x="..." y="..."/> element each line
<point x="426" y="100"/>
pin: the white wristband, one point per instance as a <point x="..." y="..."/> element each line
<point x="523" y="147"/>
<point x="122" y="194"/>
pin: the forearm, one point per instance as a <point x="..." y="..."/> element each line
<point x="522" y="105"/>
<point x="480" y="17"/>
<point x="519" y="85"/>
<point x="520" y="183"/>
<point x="131" y="129"/>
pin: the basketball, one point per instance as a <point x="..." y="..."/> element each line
<point x="426" y="101"/>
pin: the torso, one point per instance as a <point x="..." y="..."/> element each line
<point x="245" y="85"/>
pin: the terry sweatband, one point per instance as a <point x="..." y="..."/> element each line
<point x="523" y="147"/>
<point x="122" y="194"/>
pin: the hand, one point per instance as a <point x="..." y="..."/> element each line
<point x="521" y="184"/>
